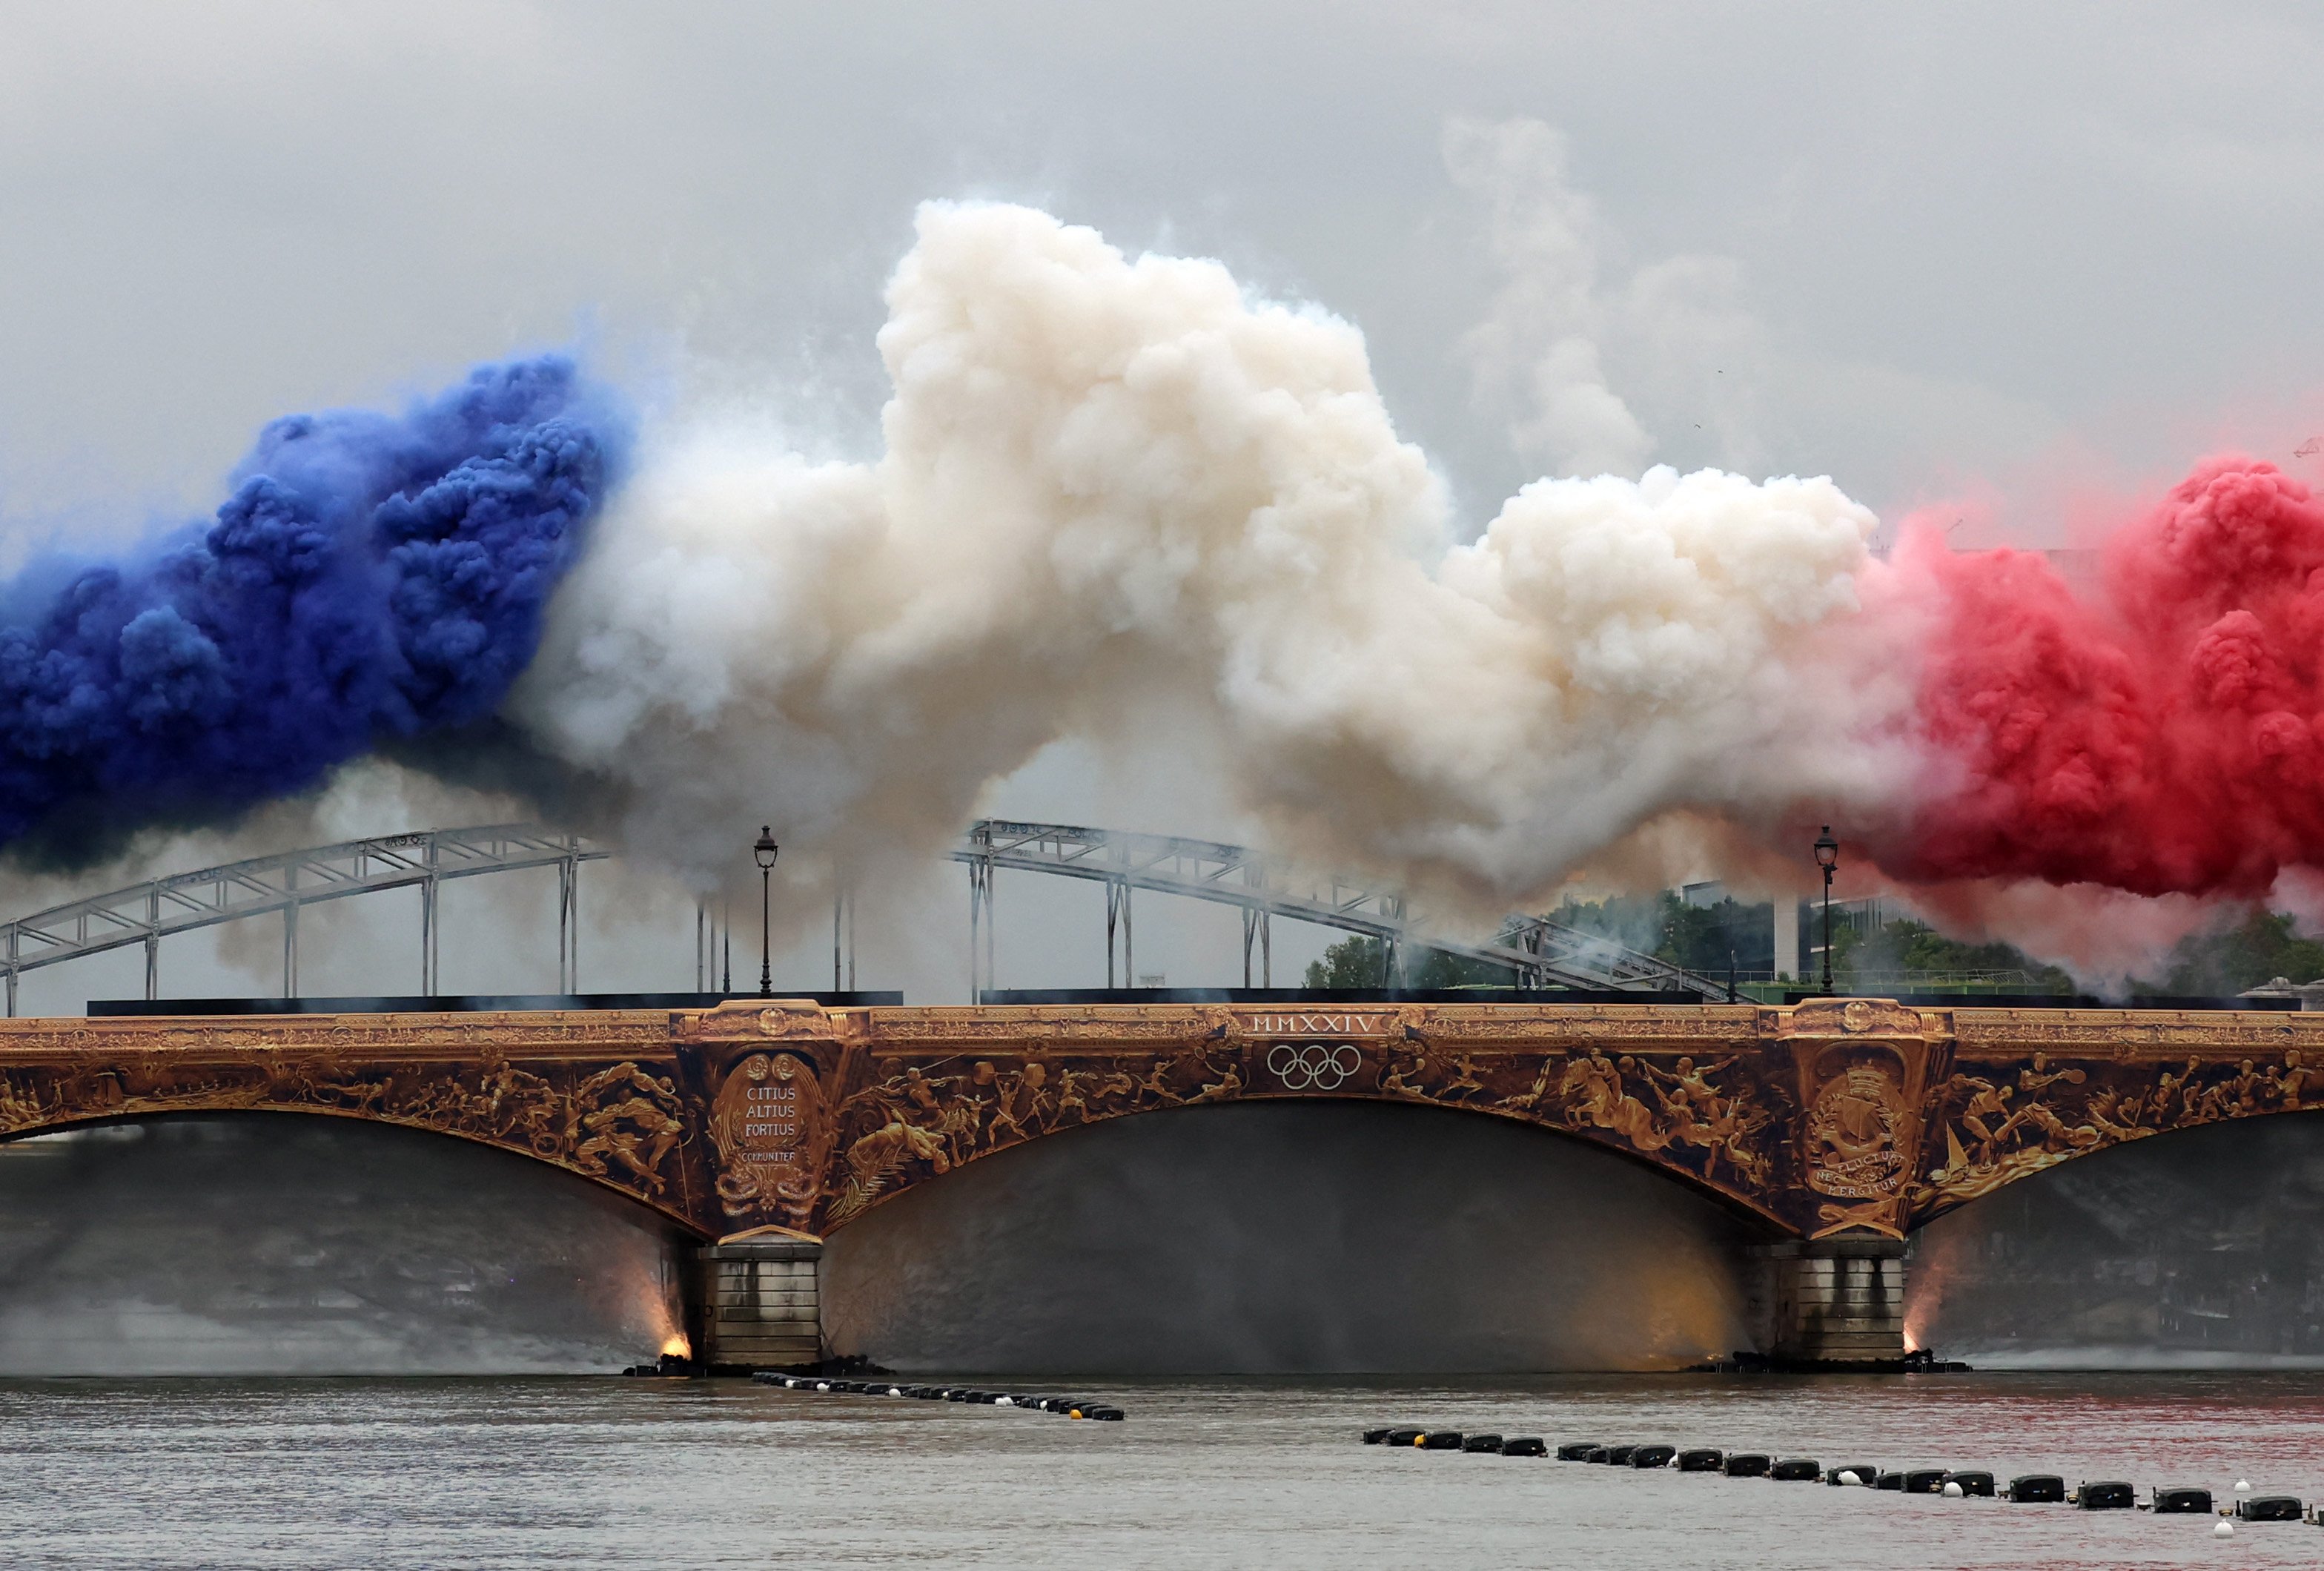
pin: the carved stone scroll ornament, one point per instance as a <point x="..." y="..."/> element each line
<point x="1861" y="1064"/>
<point x="772" y="1137"/>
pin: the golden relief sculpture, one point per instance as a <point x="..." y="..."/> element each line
<point x="1861" y="1068"/>
<point x="937" y="1111"/>
<point x="771" y="1134"/>
<point x="1857" y="1115"/>
<point x="2003" y="1122"/>
<point x="625" y="1124"/>
<point x="1857" y="1134"/>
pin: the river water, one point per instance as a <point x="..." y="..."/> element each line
<point x="612" y="1472"/>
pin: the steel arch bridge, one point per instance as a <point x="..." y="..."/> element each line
<point x="146" y="913"/>
<point x="1534" y="951"/>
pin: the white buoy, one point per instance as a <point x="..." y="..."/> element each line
<point x="1848" y="1475"/>
<point x="1004" y="1401"/>
<point x="2224" y="1530"/>
<point x="2243" y="1486"/>
<point x="1671" y="1464"/>
<point x="823" y="1385"/>
<point x="1951" y="1491"/>
<point x="894" y="1392"/>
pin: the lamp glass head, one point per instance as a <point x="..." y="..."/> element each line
<point x="764" y="849"/>
<point x="1827" y="849"/>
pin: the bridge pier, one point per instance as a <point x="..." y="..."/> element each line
<point x="1835" y="1301"/>
<point x="760" y="1302"/>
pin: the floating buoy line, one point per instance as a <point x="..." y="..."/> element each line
<point x="1066" y="1407"/>
<point x="1946" y="1482"/>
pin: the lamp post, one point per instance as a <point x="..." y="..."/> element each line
<point x="763" y="851"/>
<point x="1827" y="855"/>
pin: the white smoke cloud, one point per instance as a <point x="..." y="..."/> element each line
<point x="1110" y="481"/>
<point x="1560" y="335"/>
<point x="1536" y="350"/>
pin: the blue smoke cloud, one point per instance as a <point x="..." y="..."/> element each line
<point x="371" y="579"/>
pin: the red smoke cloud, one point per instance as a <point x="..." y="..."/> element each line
<point x="2159" y="734"/>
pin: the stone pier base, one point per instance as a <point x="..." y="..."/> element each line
<point x="1836" y="1300"/>
<point x="762" y="1304"/>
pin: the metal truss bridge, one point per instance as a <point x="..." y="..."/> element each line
<point x="146" y="913"/>
<point x="1534" y="951"/>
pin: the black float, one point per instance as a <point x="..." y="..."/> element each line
<point x="1948" y="1483"/>
<point x="2269" y="1507"/>
<point x="1067" y="1407"/>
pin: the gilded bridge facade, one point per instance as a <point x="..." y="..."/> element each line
<point x="1846" y="1115"/>
<point x="1842" y="1122"/>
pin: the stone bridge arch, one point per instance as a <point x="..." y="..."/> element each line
<point x="1837" y="1125"/>
<point x="2020" y="1091"/>
<point x="852" y="1199"/>
<point x="1831" y="1118"/>
<point x="595" y="1095"/>
<point x="869" y="1103"/>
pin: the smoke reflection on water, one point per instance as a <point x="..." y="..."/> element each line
<point x="1318" y="1237"/>
<point x="2201" y="1248"/>
<point x="275" y="1243"/>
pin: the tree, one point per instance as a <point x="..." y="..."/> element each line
<point x="1358" y="962"/>
<point x="1708" y="938"/>
<point x="2224" y="962"/>
<point x="1635" y="921"/>
<point x="1438" y="970"/>
<point x="1355" y="961"/>
<point x="1904" y="947"/>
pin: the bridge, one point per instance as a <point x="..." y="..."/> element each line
<point x="1534" y="951"/>
<point x="1834" y="1128"/>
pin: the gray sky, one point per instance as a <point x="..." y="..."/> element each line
<point x="1952" y="246"/>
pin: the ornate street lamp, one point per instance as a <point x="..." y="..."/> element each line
<point x="1827" y="855"/>
<point x="765" y="851"/>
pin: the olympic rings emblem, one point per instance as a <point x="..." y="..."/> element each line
<point x="1312" y="1066"/>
